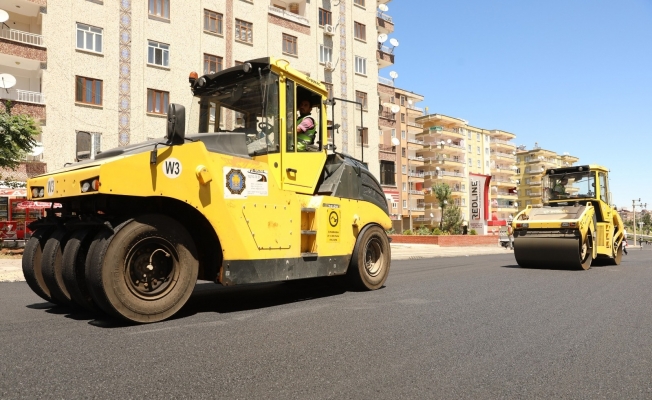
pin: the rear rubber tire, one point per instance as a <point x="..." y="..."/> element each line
<point x="617" y="258"/>
<point x="51" y="266"/>
<point x="73" y="272"/>
<point x="32" y="255"/>
<point x="370" y="260"/>
<point x="587" y="258"/>
<point x="144" y="272"/>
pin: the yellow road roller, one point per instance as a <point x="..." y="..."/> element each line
<point x="248" y="197"/>
<point x="575" y="227"/>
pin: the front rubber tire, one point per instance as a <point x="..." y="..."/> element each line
<point x="370" y="260"/>
<point x="73" y="267"/>
<point x="32" y="255"/>
<point x="51" y="265"/>
<point x="145" y="271"/>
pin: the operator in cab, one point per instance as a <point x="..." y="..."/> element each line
<point x="306" y="127"/>
<point x="560" y="187"/>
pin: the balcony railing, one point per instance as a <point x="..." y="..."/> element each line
<point x="503" y="155"/>
<point x="416" y="174"/>
<point x="385" y="49"/>
<point x="387" y="114"/>
<point x="415" y="108"/>
<point x="415" y="158"/>
<point x="387" y="148"/>
<point x="22" y="37"/>
<point x="416" y="141"/>
<point x="417" y="208"/>
<point x="422" y="219"/>
<point x="25" y="96"/>
<point x="414" y="124"/>
<point x="384" y="17"/>
<point x="386" y="81"/>
<point x="505" y="142"/>
<point x="448" y="173"/>
<point x="289" y="15"/>
<point x="419" y="192"/>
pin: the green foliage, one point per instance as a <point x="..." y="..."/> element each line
<point x="408" y="232"/>
<point x="473" y="232"/>
<point x="437" y="231"/>
<point x="452" y="220"/>
<point x="443" y="194"/>
<point x="391" y="231"/>
<point x="16" y="137"/>
<point x="423" y="230"/>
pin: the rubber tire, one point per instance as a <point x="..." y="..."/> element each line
<point x="51" y="266"/>
<point x="586" y="263"/>
<point x="617" y="258"/>
<point x="357" y="272"/>
<point x="107" y="275"/>
<point x="74" y="264"/>
<point x="31" y="261"/>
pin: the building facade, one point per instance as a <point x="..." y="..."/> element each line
<point x="531" y="166"/>
<point x="104" y="71"/>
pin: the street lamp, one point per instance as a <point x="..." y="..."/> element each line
<point x="634" y="211"/>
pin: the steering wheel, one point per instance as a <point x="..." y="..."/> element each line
<point x="265" y="127"/>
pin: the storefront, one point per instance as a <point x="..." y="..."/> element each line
<point x="16" y="213"/>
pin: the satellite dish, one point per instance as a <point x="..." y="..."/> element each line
<point x="449" y="141"/>
<point x="395" y="108"/>
<point x="431" y="215"/>
<point x="410" y="101"/>
<point x="382" y="38"/>
<point x="7" y="81"/>
<point x="393" y="74"/>
<point x="3" y="16"/>
<point x="393" y="42"/>
<point x="383" y="7"/>
<point x="395" y="141"/>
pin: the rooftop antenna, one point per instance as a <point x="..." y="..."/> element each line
<point x="393" y="42"/>
<point x="7" y="81"/>
<point x="393" y="75"/>
<point x="4" y="16"/>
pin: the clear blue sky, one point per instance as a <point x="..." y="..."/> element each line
<point x="573" y="75"/>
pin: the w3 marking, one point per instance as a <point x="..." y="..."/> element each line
<point x="172" y="168"/>
<point x="50" y="186"/>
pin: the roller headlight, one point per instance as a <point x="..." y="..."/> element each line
<point x="90" y="185"/>
<point x="37" y="192"/>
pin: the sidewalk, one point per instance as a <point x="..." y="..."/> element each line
<point x="11" y="269"/>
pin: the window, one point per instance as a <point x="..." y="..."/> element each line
<point x="404" y="189"/>
<point x="88" y="145"/>
<point x="361" y="97"/>
<point x="393" y="132"/>
<point x="402" y="100"/>
<point x="212" y="64"/>
<point x="88" y="90"/>
<point x="359" y="31"/>
<point x="403" y="151"/>
<point x="290" y="44"/>
<point x="359" y="2"/>
<point x="160" y="8"/>
<point x="325" y="17"/>
<point x="479" y="163"/>
<point x="470" y="148"/>
<point x="360" y="65"/>
<point x="157" y="101"/>
<point x="158" y="54"/>
<point x="325" y="54"/>
<point x="394" y="205"/>
<point x="89" y="38"/>
<point x="244" y="31"/>
<point x="486" y="150"/>
<point x="478" y="150"/>
<point x="403" y="168"/>
<point x="329" y="88"/>
<point x="402" y="117"/>
<point x="365" y="136"/>
<point x="403" y="135"/>
<point x="487" y="164"/>
<point x="387" y="173"/>
<point x="478" y="136"/>
<point x="212" y="21"/>
<point x="404" y="203"/>
<point x="470" y="162"/>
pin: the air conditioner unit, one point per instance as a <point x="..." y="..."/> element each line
<point x="329" y="30"/>
<point x="329" y="66"/>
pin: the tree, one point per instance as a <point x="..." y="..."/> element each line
<point x="452" y="221"/>
<point x="16" y="138"/>
<point x="443" y="194"/>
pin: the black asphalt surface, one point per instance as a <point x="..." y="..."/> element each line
<point x="444" y="328"/>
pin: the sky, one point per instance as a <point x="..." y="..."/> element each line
<point x="571" y="75"/>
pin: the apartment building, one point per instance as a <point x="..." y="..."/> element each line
<point x="503" y="191"/>
<point x="105" y="71"/>
<point x="452" y="151"/>
<point x="400" y="178"/>
<point x="531" y="165"/>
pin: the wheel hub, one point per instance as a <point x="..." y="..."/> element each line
<point x="373" y="258"/>
<point x="150" y="267"/>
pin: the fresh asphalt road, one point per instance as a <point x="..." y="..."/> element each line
<point x="459" y="327"/>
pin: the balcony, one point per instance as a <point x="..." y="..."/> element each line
<point x="24" y="96"/>
<point x="290" y="16"/>
<point x="441" y="132"/>
<point x="502" y="155"/>
<point x="498" y="142"/>
<point x="384" y="23"/>
<point x="415" y="125"/>
<point x="416" y="174"/>
<point x="22" y="37"/>
<point x="416" y="158"/>
<point x="384" y="56"/>
<point x="415" y="141"/>
<point x="417" y="192"/>
<point x="386" y="81"/>
<point x="534" y="170"/>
